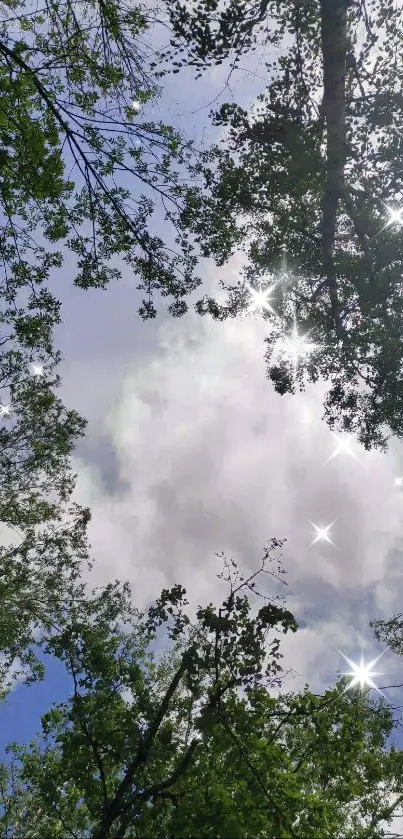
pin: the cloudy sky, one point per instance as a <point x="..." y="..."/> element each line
<point x="189" y="453"/>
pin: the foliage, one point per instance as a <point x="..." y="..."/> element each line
<point x="192" y="741"/>
<point x="312" y="168"/>
<point x="63" y="68"/>
<point x="39" y="575"/>
<point x="74" y="78"/>
<point x="38" y="433"/>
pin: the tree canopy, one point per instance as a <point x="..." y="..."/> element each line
<point x="75" y="77"/>
<point x="312" y="169"/>
<point x="195" y="740"/>
<point x="192" y="741"/>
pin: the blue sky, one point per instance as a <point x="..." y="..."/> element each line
<point x="189" y="452"/>
<point x="20" y="715"/>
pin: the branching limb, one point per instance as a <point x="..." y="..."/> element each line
<point x="89" y="737"/>
<point x="114" y="808"/>
<point x="156" y="790"/>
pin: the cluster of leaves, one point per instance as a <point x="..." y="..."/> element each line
<point x="41" y="536"/>
<point x="315" y="176"/>
<point x="191" y="742"/>
<point x="74" y="78"/>
<point x="205" y="32"/>
<point x="39" y="575"/>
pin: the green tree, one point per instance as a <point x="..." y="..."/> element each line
<point x="36" y="440"/>
<point x="39" y="576"/>
<point x="190" y="741"/>
<point x="37" y="432"/>
<point x="74" y="78"/>
<point x="311" y="167"/>
<point x="37" y="436"/>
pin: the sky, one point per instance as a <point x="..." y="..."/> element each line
<point x="190" y="453"/>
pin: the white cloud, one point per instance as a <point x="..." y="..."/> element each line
<point x="210" y="459"/>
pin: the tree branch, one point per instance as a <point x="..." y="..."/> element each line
<point x="156" y="790"/>
<point x="89" y="737"/>
<point x="71" y="136"/>
<point x="114" y="808"/>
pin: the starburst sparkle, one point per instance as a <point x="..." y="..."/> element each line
<point x="395" y="217"/>
<point x="343" y="447"/>
<point x="37" y="370"/>
<point x="362" y="673"/>
<point x="322" y="533"/>
<point x="260" y="299"/>
<point x="294" y="347"/>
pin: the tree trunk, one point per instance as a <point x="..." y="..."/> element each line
<point x="334" y="50"/>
